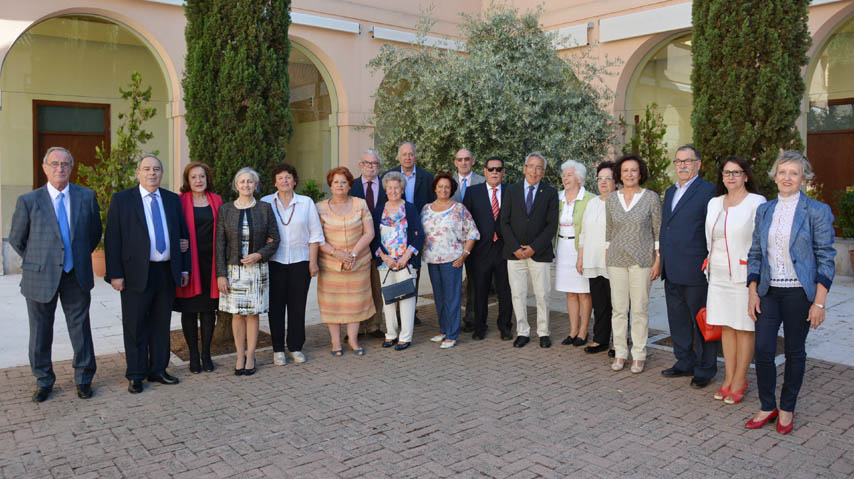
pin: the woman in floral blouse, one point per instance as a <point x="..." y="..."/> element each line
<point x="398" y="237"/>
<point x="451" y="234"/>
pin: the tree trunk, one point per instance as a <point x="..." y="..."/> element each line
<point x="223" y="333"/>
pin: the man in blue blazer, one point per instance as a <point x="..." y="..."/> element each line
<point x="683" y="250"/>
<point x="55" y="228"/>
<point x="142" y="247"/>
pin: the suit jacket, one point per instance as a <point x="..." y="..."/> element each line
<point x="414" y="234"/>
<point x="475" y="180"/>
<point x="682" y="240"/>
<point x="127" y="245"/>
<point x="262" y="225"/>
<point x="810" y="246"/>
<point x="536" y="230"/>
<point x="423" y="193"/>
<point x="358" y="191"/>
<point x="35" y="236"/>
<point x="478" y="201"/>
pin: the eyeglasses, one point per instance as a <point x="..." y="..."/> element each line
<point x="535" y="168"/>
<point x="684" y="162"/>
<point x="732" y="173"/>
<point x="605" y="178"/>
<point x="371" y="163"/>
<point x="57" y="165"/>
<point x="464" y="158"/>
<point x="495" y="169"/>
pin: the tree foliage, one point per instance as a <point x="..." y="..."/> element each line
<point x="115" y="170"/>
<point x="747" y="61"/>
<point x="509" y="94"/>
<point x="236" y="85"/>
<point x="648" y="143"/>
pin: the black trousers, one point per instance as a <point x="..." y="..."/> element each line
<point x="485" y="268"/>
<point x="469" y="314"/>
<point x="600" y="295"/>
<point x="75" y="304"/>
<point x="289" y="285"/>
<point x="145" y="322"/>
<point x="693" y="353"/>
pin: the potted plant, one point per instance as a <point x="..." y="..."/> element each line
<point x="845" y="219"/>
<point x="114" y="171"/>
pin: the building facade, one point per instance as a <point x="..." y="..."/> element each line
<point x="62" y="63"/>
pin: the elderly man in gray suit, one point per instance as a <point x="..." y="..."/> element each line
<point x="55" y="228"/>
<point x="464" y="161"/>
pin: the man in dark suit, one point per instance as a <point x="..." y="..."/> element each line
<point x="487" y="260"/>
<point x="368" y="187"/>
<point x="464" y="161"/>
<point x="683" y="250"/>
<point x="55" y="228"/>
<point x="145" y="227"/>
<point x="528" y="227"/>
<point x="417" y="189"/>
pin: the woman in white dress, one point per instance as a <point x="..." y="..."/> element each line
<point x="729" y="231"/>
<point x="571" y="205"/>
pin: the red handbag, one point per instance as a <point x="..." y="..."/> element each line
<point x="710" y="333"/>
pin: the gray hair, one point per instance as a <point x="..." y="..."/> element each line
<point x="580" y="170"/>
<point x="689" y="148"/>
<point x="374" y="153"/>
<point x="243" y="171"/>
<point x="148" y="155"/>
<point x="394" y="176"/>
<point x="414" y="151"/>
<point x="57" y="148"/>
<point x="537" y="154"/>
<point x="792" y="156"/>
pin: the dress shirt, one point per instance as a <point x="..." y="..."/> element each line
<point x="375" y="186"/>
<point x="497" y="193"/>
<point x="54" y="199"/>
<point x="782" y="269"/>
<point x="147" y="198"/>
<point x="409" y="190"/>
<point x="565" y="222"/>
<point x="303" y="228"/>
<point x="460" y="179"/>
<point x="525" y="193"/>
<point x="680" y="190"/>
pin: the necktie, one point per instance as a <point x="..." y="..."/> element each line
<point x="159" y="237"/>
<point x="64" y="232"/>
<point x="495" y="211"/>
<point x="463" y="188"/>
<point x="369" y="196"/>
<point x="529" y="200"/>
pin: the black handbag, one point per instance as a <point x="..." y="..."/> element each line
<point x="398" y="291"/>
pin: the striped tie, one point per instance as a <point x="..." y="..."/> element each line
<point x="495" y="210"/>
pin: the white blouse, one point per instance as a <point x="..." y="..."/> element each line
<point x="592" y="239"/>
<point x="782" y="270"/>
<point x="299" y="225"/>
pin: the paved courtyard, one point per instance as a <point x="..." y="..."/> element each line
<point x="482" y="409"/>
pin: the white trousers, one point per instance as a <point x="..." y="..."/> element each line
<point x="630" y="291"/>
<point x="517" y="273"/>
<point x="407" y="307"/>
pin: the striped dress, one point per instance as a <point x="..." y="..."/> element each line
<point x="344" y="296"/>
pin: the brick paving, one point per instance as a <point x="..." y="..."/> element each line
<point x="482" y="409"/>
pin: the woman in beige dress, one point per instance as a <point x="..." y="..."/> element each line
<point x="344" y="282"/>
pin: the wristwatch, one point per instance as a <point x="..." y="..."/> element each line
<point x="353" y="255"/>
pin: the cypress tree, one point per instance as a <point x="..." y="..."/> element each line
<point x="236" y="86"/>
<point x="746" y="76"/>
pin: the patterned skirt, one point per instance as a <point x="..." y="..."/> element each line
<point x="247" y="290"/>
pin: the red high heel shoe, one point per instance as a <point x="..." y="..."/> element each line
<point x="721" y="393"/>
<point x="787" y="428"/>
<point x="735" y="397"/>
<point x="753" y="424"/>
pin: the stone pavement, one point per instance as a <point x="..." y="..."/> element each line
<point x="481" y="409"/>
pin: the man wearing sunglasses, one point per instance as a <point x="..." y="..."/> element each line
<point x="466" y="177"/>
<point x="487" y="261"/>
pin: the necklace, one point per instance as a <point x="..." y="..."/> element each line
<point x="243" y="207"/>
<point x="293" y="208"/>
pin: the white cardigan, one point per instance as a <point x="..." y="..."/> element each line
<point x="738" y="231"/>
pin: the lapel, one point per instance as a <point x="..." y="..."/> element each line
<point x="538" y="196"/>
<point x="685" y="197"/>
<point x="46" y="204"/>
<point x="766" y="224"/>
<point x="76" y="207"/>
<point x="171" y="219"/>
<point x="800" y="216"/>
<point x="139" y="207"/>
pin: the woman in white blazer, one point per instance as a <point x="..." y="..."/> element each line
<point x="729" y="232"/>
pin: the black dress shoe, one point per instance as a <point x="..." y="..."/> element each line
<point x="612" y="353"/>
<point x="568" y="340"/>
<point x="207" y="364"/>
<point x="521" y="341"/>
<point x="700" y="383"/>
<point x="416" y="321"/>
<point x="401" y="346"/>
<point x="467" y="328"/>
<point x="545" y="342"/>
<point x="84" y="391"/>
<point x="595" y="349"/>
<point x="195" y="367"/>
<point x="239" y="372"/>
<point x="579" y="341"/>
<point x="675" y="373"/>
<point x="506" y="336"/>
<point x="41" y="394"/>
<point x="389" y="343"/>
<point x="164" y="378"/>
<point x="478" y="336"/>
<point x="135" y="386"/>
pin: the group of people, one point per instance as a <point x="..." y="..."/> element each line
<point x="750" y="265"/>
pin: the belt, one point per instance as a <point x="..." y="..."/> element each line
<point x="565" y="237"/>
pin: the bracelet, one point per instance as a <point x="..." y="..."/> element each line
<point x="818" y="305"/>
<point x="466" y="252"/>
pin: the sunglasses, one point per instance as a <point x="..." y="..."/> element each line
<point x="497" y="169"/>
